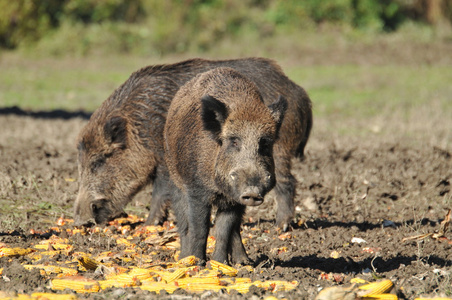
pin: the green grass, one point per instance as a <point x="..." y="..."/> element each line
<point x="346" y="90"/>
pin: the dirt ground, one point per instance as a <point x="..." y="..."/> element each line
<point x="359" y="194"/>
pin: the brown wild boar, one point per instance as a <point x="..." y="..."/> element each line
<point x="218" y="139"/>
<point x="120" y="150"/>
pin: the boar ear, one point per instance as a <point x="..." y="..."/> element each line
<point x="213" y="115"/>
<point x="278" y="110"/>
<point x="115" y="131"/>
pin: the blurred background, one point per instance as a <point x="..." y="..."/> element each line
<point x="348" y="54"/>
<point x="154" y="27"/>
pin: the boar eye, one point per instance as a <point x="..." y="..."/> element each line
<point x="265" y="146"/>
<point x="234" y="142"/>
<point x="99" y="162"/>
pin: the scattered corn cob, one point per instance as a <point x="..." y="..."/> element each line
<point x="140" y="273"/>
<point x="376" y="288"/>
<point x="15" y="251"/>
<point x="123" y="280"/>
<point x="158" y="286"/>
<point x="88" y="263"/>
<point x="188" y="281"/>
<point x="380" y="297"/>
<point x="77" y="283"/>
<point x="225" y="269"/>
<point x="45" y="270"/>
<point x="170" y="277"/>
<point x="188" y="261"/>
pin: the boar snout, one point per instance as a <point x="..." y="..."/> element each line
<point x="251" y="196"/>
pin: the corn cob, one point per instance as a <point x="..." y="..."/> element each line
<point x="88" y="263"/>
<point x="123" y="280"/>
<point x="47" y="270"/>
<point x="376" y="288"/>
<point x="170" y="277"/>
<point x="188" y="281"/>
<point x="158" y="286"/>
<point x="78" y="284"/>
<point x="55" y="246"/>
<point x="380" y="297"/>
<point x="53" y="296"/>
<point x="123" y="241"/>
<point x="188" y="261"/>
<point x="15" y="251"/>
<point x="225" y="269"/>
<point x="140" y="273"/>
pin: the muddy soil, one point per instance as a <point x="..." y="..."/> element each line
<point x="358" y="196"/>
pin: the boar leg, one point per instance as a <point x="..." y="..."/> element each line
<point x="238" y="251"/>
<point x="284" y="192"/>
<point x="199" y="210"/>
<point x="227" y="235"/>
<point x="180" y="207"/>
<point x="161" y="198"/>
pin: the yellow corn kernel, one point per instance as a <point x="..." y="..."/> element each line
<point x="376" y="288"/>
<point x="170" y="277"/>
<point x="380" y="297"/>
<point x="158" y="286"/>
<point x="123" y="241"/>
<point x="141" y="273"/>
<point x="225" y="269"/>
<point x="88" y="263"/>
<point x="188" y="281"/>
<point x="15" y="251"/>
<point x="79" y="284"/>
<point x="123" y="280"/>
<point x="53" y="296"/>
<point x="47" y="269"/>
<point x="68" y="271"/>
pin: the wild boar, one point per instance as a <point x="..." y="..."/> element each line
<point x="218" y="140"/>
